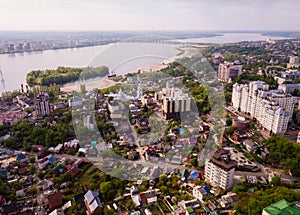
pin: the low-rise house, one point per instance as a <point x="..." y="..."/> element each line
<point x="47" y="184"/>
<point x="281" y="207"/>
<point x="58" y="148"/>
<point x="22" y="158"/>
<point x="194" y="203"/>
<point x="228" y="200"/>
<point x="148" y="197"/>
<point x="200" y="193"/>
<point x="54" y="200"/>
<point x="142" y="124"/>
<point x="74" y="172"/>
<point x="3" y="173"/>
<point x="58" y="211"/>
<point x="73" y="144"/>
<point x="23" y="170"/>
<point x="135" y="196"/>
<point x="103" y="146"/>
<point x="42" y="163"/>
<point x="93" y="203"/>
<point x="148" y="212"/>
<point x="11" y="118"/>
<point x="250" y="145"/>
<point x="117" y="114"/>
<point x="76" y="102"/>
<point x="10" y="209"/>
<point x="52" y="159"/>
<point x="59" y="169"/>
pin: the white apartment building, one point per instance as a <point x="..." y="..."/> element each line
<point x="289" y="88"/>
<point x="229" y="71"/>
<point x="174" y="102"/>
<point x="271" y="108"/>
<point x="219" y="170"/>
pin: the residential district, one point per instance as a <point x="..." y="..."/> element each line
<point x="50" y="144"/>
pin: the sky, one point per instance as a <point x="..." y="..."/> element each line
<point x="206" y="15"/>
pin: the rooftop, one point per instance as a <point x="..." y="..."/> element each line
<point x="282" y="207"/>
<point x="222" y="159"/>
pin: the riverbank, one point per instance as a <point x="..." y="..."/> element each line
<point x="90" y="85"/>
<point x="100" y="83"/>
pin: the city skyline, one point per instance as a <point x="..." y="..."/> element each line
<point x="94" y="15"/>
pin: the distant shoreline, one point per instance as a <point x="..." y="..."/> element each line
<point x="53" y="49"/>
<point x="284" y="35"/>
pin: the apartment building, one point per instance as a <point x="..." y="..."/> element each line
<point x="174" y="102"/>
<point x="219" y="170"/>
<point x="42" y="105"/>
<point x="271" y="108"/>
<point x="229" y="71"/>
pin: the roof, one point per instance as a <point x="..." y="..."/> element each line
<point x="222" y="159"/>
<point x="143" y="198"/>
<point x="52" y="159"/>
<point x="93" y="200"/>
<point x="79" y="199"/>
<point x="21" y="156"/>
<point x="74" y="172"/>
<point x="249" y="143"/>
<point x="54" y="198"/>
<point x="90" y="196"/>
<point x="7" y="209"/>
<point x="150" y="194"/>
<point x="282" y="207"/>
<point x="215" y="213"/>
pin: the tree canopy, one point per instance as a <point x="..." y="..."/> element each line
<point x="63" y="75"/>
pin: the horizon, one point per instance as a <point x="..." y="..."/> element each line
<point x="160" y="31"/>
<point x="166" y="15"/>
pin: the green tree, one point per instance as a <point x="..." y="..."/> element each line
<point x="26" y="146"/>
<point x="194" y="162"/>
<point x="32" y="168"/>
<point x="32" y="190"/>
<point x="276" y="181"/>
<point x="164" y="189"/>
<point x="252" y="125"/>
<point x="105" y="187"/>
<point x="228" y="121"/>
<point x="32" y="159"/>
<point x="230" y="130"/>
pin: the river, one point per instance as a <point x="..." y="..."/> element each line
<point x="121" y="58"/>
<point x="232" y="38"/>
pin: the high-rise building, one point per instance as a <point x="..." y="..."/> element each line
<point x="229" y="71"/>
<point x="219" y="170"/>
<point x="294" y="62"/>
<point x="271" y="108"/>
<point x="42" y="105"/>
<point x="174" y="102"/>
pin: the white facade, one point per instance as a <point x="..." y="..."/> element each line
<point x="200" y="193"/>
<point x="175" y="101"/>
<point x="76" y="102"/>
<point x="217" y="176"/>
<point x="272" y="108"/>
